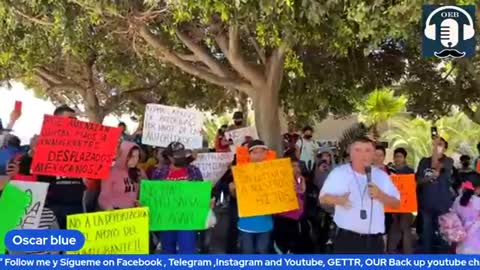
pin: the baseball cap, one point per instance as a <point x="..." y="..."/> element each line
<point x="176" y="150"/>
<point x="256" y="144"/>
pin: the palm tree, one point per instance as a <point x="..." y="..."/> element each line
<point x="414" y="135"/>
<point x="378" y="107"/>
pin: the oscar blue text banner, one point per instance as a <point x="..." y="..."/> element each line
<point x="147" y="262"/>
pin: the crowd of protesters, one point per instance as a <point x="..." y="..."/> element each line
<point x="320" y="172"/>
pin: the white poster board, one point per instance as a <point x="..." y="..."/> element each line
<point x="213" y="165"/>
<point x="31" y="220"/>
<point x="238" y="135"/>
<point x="165" y="124"/>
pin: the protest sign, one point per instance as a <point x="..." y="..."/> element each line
<point x="164" y="124"/>
<point x="14" y="203"/>
<point x="265" y="188"/>
<point x="122" y="231"/>
<point x="213" y="165"/>
<point x="238" y="135"/>
<point x="407" y="187"/>
<point x="176" y="205"/>
<point x="72" y="148"/>
<point x="38" y="191"/>
<point x="243" y="156"/>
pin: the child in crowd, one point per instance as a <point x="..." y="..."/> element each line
<point x="120" y="190"/>
<point x="177" y="169"/>
<point x="467" y="207"/>
<point x="255" y="232"/>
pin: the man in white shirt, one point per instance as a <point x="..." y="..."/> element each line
<point x="359" y="203"/>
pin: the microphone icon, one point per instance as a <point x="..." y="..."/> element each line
<point x="449" y="33"/>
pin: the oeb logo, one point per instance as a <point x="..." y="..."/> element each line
<point x="448" y="31"/>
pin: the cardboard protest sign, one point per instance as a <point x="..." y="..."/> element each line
<point x="213" y="165"/>
<point x="122" y="231"/>
<point x="265" y="188"/>
<point x="238" y="135"/>
<point x="407" y="187"/>
<point x="243" y="157"/>
<point x="38" y="191"/>
<point x="165" y="124"/>
<point x="72" y="148"/>
<point x="176" y="205"/>
<point x="14" y="203"/>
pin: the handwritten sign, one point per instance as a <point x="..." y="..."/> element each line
<point x="407" y="187"/>
<point x="164" y="124"/>
<point x="14" y="203"/>
<point x="113" y="232"/>
<point x="243" y="156"/>
<point x="38" y="191"/>
<point x="213" y="165"/>
<point x="238" y="135"/>
<point x="176" y="205"/>
<point x="71" y="148"/>
<point x="265" y="188"/>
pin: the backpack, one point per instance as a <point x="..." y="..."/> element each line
<point x="451" y="228"/>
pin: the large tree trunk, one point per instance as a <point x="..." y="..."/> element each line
<point x="267" y="118"/>
<point x="96" y="116"/>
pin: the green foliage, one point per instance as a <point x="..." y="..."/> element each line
<point x="78" y="47"/>
<point x="333" y="44"/>
<point x="379" y="106"/>
<point x="414" y="135"/>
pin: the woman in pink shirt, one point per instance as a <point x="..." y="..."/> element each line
<point x="120" y="189"/>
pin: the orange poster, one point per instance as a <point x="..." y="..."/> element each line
<point x="407" y="187"/>
<point x="265" y="188"/>
<point x="243" y="157"/>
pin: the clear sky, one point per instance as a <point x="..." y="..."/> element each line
<point x="33" y="109"/>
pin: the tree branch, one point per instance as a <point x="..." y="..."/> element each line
<point x="275" y="66"/>
<point x="56" y="82"/>
<point x="238" y="62"/>
<point x="203" y="55"/>
<point x="187" y="57"/>
<point x="222" y="42"/>
<point x="64" y="86"/>
<point x="35" y="20"/>
<point x="50" y="76"/>
<point x="260" y="52"/>
<point x="168" y="55"/>
<point x="114" y="101"/>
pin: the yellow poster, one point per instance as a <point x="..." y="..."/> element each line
<point x="265" y="188"/>
<point x="112" y="232"/>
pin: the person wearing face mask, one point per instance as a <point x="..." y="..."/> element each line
<point x="434" y="177"/>
<point x="238" y="121"/>
<point x="464" y="173"/>
<point x="120" y="189"/>
<point x="177" y="169"/>
<point x="306" y="149"/>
